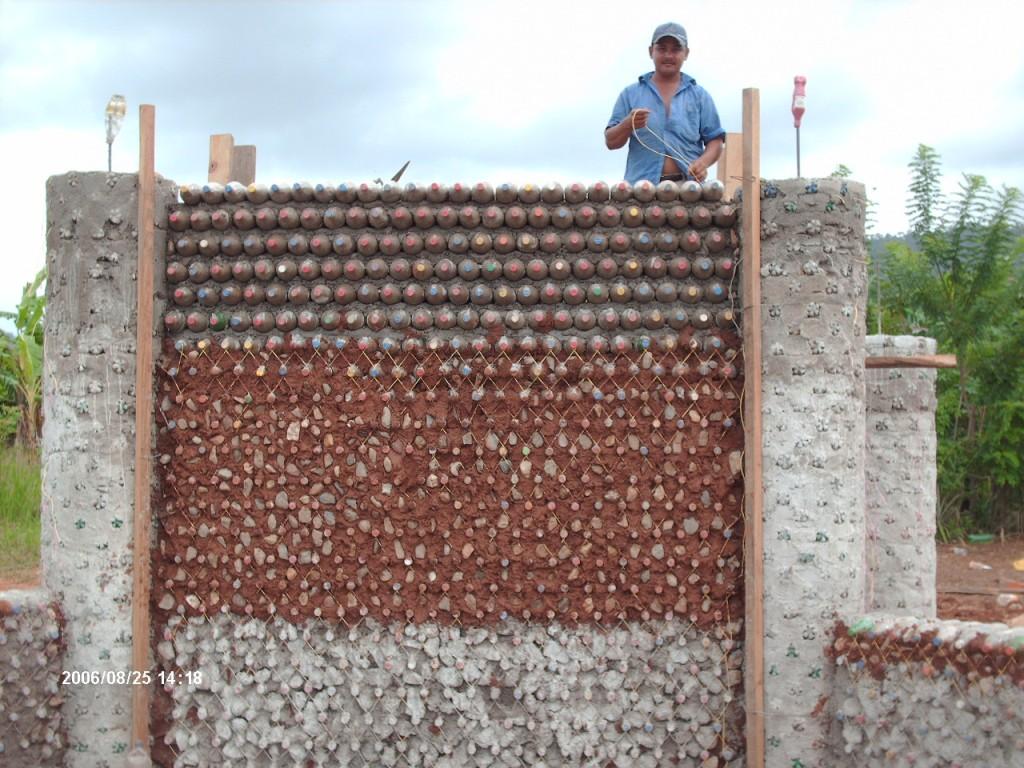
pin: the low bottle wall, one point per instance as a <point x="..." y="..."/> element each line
<point x="919" y="692"/>
<point x="31" y="688"/>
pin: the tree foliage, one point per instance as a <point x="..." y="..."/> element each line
<point x="960" y="281"/>
<point x="21" y="366"/>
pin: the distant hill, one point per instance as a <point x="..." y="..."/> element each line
<point x="878" y="246"/>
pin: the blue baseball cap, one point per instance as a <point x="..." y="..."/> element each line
<point x="670" y="29"/>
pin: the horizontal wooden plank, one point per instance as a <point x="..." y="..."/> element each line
<point x="911" y="361"/>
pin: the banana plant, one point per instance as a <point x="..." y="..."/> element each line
<point x="21" y="362"/>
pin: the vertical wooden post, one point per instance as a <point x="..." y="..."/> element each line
<point x="730" y="164"/>
<point x="222" y="146"/>
<point x="753" y="501"/>
<point x="141" y="520"/>
<point x="243" y="164"/>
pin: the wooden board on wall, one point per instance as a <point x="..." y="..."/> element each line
<point x="243" y="164"/>
<point x="222" y="147"/>
<point x="753" y="487"/>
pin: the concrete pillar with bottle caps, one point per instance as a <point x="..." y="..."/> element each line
<point x="813" y="298"/>
<point x="88" y="443"/>
<point x="900" y="477"/>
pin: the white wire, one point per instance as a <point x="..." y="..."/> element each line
<point x="683" y="165"/>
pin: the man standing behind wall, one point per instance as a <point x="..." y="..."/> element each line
<point x="670" y="122"/>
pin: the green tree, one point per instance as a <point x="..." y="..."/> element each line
<point x="21" y="363"/>
<point x="960" y="281"/>
<point x="841" y="171"/>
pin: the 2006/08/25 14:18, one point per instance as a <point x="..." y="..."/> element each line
<point x="130" y="677"/>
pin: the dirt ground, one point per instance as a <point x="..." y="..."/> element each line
<point x="19" y="578"/>
<point x="977" y="594"/>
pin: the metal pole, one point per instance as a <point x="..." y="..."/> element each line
<point x="110" y="150"/>
<point x="798" y="151"/>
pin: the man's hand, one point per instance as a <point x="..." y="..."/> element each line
<point x="638" y="118"/>
<point x="698" y="169"/>
<point x="618" y="135"/>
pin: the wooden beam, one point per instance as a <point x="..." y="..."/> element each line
<point x="243" y="164"/>
<point x="753" y="499"/>
<point x="222" y="146"/>
<point x="142" y="520"/>
<point x="730" y="164"/>
<point x="908" y="361"/>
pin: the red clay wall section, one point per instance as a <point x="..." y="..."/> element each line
<point x="565" y="452"/>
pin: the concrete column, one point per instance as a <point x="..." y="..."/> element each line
<point x="900" y="480"/>
<point x="813" y="302"/>
<point x="88" y="442"/>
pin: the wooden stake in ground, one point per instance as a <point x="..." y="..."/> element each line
<point x="753" y="500"/>
<point x="143" y="426"/>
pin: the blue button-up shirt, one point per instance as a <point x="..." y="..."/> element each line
<point x="691" y="123"/>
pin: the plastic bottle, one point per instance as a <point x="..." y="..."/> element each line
<point x="234" y="192"/>
<point x="345" y="192"/>
<point x="529" y="194"/>
<point x="367" y="192"/>
<point x="323" y="193"/>
<point x="459" y="193"/>
<point x="575" y="193"/>
<point x="257" y="194"/>
<point x="506" y="193"/>
<point x="191" y="194"/>
<point x="552" y="193"/>
<point x="437" y="193"/>
<point x="280" y="193"/>
<point x="644" y="191"/>
<point x="213" y="193"/>
<point x="414" y="193"/>
<point x="483" y="193"/>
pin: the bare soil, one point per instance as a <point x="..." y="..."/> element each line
<point x="979" y="594"/>
<point x="20" y="578"/>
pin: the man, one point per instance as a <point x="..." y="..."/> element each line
<point x="670" y="122"/>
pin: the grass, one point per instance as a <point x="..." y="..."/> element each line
<point x="19" y="514"/>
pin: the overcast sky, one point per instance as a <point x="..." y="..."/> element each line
<point x="495" y="91"/>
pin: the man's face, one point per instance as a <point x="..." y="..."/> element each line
<point x="668" y="56"/>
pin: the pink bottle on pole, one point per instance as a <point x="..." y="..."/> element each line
<point x="798" y="108"/>
<point x="799" y="99"/>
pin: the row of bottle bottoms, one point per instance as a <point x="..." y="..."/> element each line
<point x="627" y="319"/>
<point x="481" y="192"/>
<point x="368" y="244"/>
<point x="447" y="217"/>
<point x="422" y="270"/>
<point x="276" y="293"/>
<point x="708" y="342"/>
